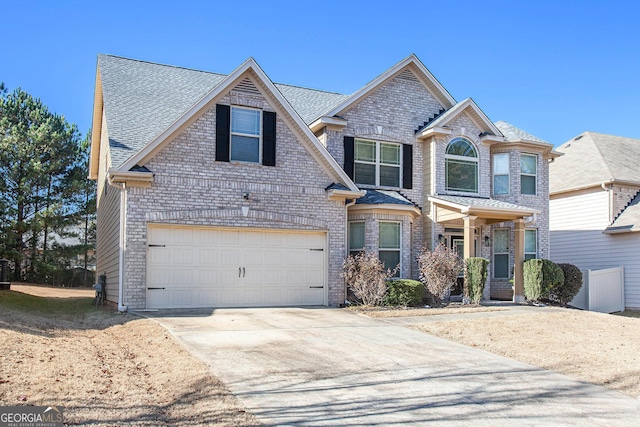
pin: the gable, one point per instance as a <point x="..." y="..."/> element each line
<point x="130" y="144"/>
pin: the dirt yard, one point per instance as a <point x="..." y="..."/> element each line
<point x="104" y="368"/>
<point x="598" y="348"/>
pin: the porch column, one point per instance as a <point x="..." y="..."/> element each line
<point x="469" y="235"/>
<point x="518" y="259"/>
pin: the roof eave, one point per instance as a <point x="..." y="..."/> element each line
<point x="344" y="194"/>
<point x="333" y="123"/>
<point x="96" y="127"/>
<point x="413" y="210"/>
<point x="436" y="131"/>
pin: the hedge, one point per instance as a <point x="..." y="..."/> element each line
<point x="571" y="286"/>
<point x="475" y="276"/>
<point x="540" y="277"/>
<point x="404" y="292"/>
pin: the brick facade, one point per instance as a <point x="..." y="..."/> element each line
<point x="190" y="187"/>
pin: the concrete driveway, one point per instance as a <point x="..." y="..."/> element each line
<point x="331" y="367"/>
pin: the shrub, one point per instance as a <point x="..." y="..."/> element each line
<point x="404" y="292"/>
<point x="475" y="276"/>
<point x="571" y="286"/>
<point x="366" y="276"/>
<point x="439" y="270"/>
<point x="540" y="277"/>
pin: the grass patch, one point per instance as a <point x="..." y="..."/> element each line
<point x="629" y="313"/>
<point x="47" y="307"/>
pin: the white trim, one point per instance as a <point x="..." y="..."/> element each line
<point x="399" y="249"/>
<point x="493" y="173"/>
<point x="529" y="174"/>
<point x="443" y="97"/>
<point x="377" y="163"/>
<point x="333" y="123"/>
<point x="507" y="253"/>
<point x="363" y="208"/>
<point x="475" y="159"/>
<point x="259" y="137"/>
<point x="459" y="108"/>
<point x="226" y="84"/>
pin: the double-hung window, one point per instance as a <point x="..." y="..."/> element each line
<point x="501" y="253"/>
<point x="530" y="244"/>
<point x="501" y="173"/>
<point x="245" y="135"/>
<point x="528" y="174"/>
<point x="389" y="245"/>
<point x="461" y="166"/>
<point x="356" y="237"/>
<point x="377" y="163"/>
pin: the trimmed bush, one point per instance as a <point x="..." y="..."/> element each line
<point x="571" y="286"/>
<point x="404" y="292"/>
<point x="475" y="276"/>
<point x="540" y="277"/>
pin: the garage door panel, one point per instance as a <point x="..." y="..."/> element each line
<point x="206" y="267"/>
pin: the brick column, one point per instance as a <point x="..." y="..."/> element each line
<point x="518" y="276"/>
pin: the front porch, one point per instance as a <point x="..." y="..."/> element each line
<point x="466" y="225"/>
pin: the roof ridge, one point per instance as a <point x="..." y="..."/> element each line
<point x="310" y="88"/>
<point x="160" y="64"/>
<point x="602" y="158"/>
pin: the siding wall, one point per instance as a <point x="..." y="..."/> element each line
<point x="108" y="221"/>
<point x="577" y="222"/>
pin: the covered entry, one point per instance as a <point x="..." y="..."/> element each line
<point x="470" y="213"/>
<point x="190" y="266"/>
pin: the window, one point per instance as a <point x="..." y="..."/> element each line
<point x="501" y="253"/>
<point x="245" y="135"/>
<point x="389" y="245"/>
<point x="461" y="166"/>
<point x="501" y="173"/>
<point x="356" y="237"/>
<point x="528" y="172"/>
<point x="530" y="244"/>
<point x="377" y="163"/>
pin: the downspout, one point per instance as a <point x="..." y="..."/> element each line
<point x="123" y="230"/>
<point x="347" y="205"/>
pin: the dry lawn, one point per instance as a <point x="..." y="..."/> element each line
<point x="385" y="312"/>
<point x="594" y="347"/>
<point x="105" y="368"/>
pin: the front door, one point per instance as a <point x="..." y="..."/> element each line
<point x="456" y="242"/>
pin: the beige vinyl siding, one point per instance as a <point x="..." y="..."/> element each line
<point x="588" y="210"/>
<point x="108" y="222"/>
<point x="577" y="224"/>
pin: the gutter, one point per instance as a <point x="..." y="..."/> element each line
<point x="123" y="230"/>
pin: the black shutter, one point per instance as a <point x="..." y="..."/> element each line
<point x="223" y="125"/>
<point x="268" y="138"/>
<point x="349" y="143"/>
<point x="407" y="166"/>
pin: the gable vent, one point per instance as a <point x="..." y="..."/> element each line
<point x="407" y="75"/>
<point x="247" y="86"/>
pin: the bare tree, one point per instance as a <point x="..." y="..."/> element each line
<point x="439" y="270"/>
<point x="366" y="276"/>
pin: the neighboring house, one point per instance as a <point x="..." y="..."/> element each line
<point x="595" y="206"/>
<point x="229" y="190"/>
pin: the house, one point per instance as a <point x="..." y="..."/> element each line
<point x="229" y="190"/>
<point x="595" y="206"/>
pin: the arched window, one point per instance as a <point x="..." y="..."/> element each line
<point x="461" y="166"/>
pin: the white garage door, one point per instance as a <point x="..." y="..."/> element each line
<point x="210" y="267"/>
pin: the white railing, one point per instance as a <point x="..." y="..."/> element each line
<point x="602" y="291"/>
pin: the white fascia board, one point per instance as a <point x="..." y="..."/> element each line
<point x="434" y="131"/>
<point x="373" y="84"/>
<point x="328" y="121"/>
<point x="96" y="127"/>
<point x="387" y="207"/>
<point x="345" y="194"/>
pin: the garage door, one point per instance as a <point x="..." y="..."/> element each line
<point x="211" y="267"/>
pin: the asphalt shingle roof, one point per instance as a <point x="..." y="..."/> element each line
<point x="512" y="133"/>
<point x="479" y="202"/>
<point x="142" y="99"/>
<point x="595" y="158"/>
<point x="379" y="197"/>
<point x="629" y="219"/>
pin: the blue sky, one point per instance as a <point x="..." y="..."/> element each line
<point x="552" y="68"/>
